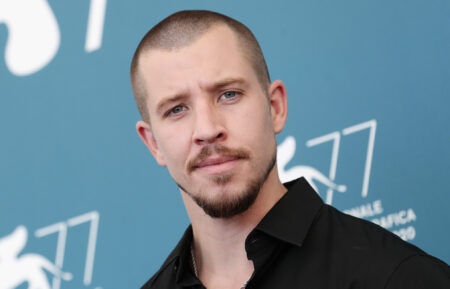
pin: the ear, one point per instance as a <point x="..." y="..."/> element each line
<point x="278" y="104"/>
<point x="145" y="133"/>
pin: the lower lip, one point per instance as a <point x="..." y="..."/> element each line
<point x="219" y="169"/>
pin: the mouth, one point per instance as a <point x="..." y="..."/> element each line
<point x="217" y="160"/>
<point x="217" y="165"/>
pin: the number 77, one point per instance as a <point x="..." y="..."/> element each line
<point x="335" y="137"/>
<point x="372" y="126"/>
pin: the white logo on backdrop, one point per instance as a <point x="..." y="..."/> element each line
<point x="31" y="267"/>
<point x="34" y="34"/>
<point x="286" y="151"/>
<point x="400" y="222"/>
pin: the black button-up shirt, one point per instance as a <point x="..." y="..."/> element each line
<point x="304" y="243"/>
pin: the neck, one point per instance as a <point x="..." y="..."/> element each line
<point x="219" y="244"/>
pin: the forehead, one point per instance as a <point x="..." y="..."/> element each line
<point x="215" y="55"/>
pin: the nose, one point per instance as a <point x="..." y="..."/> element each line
<point x="209" y="126"/>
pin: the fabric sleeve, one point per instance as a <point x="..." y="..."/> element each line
<point x="420" y="271"/>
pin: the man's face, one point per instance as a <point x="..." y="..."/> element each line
<point x="212" y="122"/>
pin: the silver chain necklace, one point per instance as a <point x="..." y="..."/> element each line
<point x="194" y="264"/>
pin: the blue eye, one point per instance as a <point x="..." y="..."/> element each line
<point x="176" y="110"/>
<point x="229" y="94"/>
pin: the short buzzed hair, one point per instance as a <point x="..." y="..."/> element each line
<point x="181" y="29"/>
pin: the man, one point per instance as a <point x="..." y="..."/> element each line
<point x="210" y="115"/>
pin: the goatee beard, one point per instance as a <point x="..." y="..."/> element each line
<point x="240" y="202"/>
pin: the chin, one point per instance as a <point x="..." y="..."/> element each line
<point x="227" y="200"/>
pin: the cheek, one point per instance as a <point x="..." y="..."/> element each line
<point x="255" y="126"/>
<point x="175" y="145"/>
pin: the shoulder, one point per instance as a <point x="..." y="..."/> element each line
<point x="376" y="254"/>
<point x="357" y="233"/>
<point x="420" y="271"/>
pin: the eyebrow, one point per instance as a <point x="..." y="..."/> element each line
<point x="224" y="83"/>
<point x="211" y="88"/>
<point x="167" y="101"/>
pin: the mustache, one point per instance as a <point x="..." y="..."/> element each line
<point x="221" y="150"/>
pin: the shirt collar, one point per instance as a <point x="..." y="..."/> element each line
<point x="292" y="216"/>
<point x="181" y="259"/>
<point x="289" y="220"/>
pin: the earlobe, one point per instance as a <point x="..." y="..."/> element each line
<point x="278" y="104"/>
<point x="145" y="133"/>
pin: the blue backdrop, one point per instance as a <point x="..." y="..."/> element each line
<point x="368" y="86"/>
